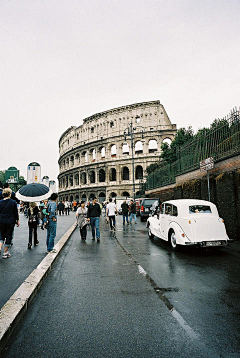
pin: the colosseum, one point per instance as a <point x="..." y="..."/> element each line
<point x="107" y="155"/>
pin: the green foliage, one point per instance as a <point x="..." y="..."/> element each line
<point x="169" y="153"/>
<point x="2" y="178"/>
<point x="152" y="167"/>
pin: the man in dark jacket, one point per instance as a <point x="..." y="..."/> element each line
<point x="125" y="208"/>
<point x="94" y="212"/>
<point x="8" y="218"/>
<point x="133" y="211"/>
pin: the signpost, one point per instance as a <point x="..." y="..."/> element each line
<point x="206" y="165"/>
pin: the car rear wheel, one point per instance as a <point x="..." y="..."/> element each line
<point x="173" y="241"/>
<point x="150" y="235"/>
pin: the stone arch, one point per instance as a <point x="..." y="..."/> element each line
<point x="102" y="197"/>
<point x="77" y="198"/>
<point x="92" y="177"/>
<point x="72" y="161"/>
<point x="113" y="195"/>
<point x="71" y="180"/>
<point x="91" y="196"/>
<point x="84" y="197"/>
<point x="125" y="173"/>
<point x="125" y="148"/>
<point x="138" y="147"/>
<point x="71" y="197"/>
<point x="126" y="193"/>
<point x="113" y="175"/>
<point x="152" y="146"/>
<point x="102" y="176"/>
<point x="139" y="172"/>
<point x="113" y="150"/>
<point x="84" y="178"/>
<point x="167" y="140"/>
<point x="76" y="179"/>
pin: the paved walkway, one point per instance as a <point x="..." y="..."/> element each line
<point x="17" y="268"/>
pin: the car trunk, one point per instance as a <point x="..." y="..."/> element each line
<point x="207" y="228"/>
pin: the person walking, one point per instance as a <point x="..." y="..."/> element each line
<point x="61" y="208"/>
<point x="52" y="222"/>
<point x="125" y="208"/>
<point x="32" y="224"/>
<point x="67" y="207"/>
<point x="133" y="211"/>
<point x="82" y="220"/>
<point x="8" y="218"/>
<point x="93" y="214"/>
<point x="111" y="209"/>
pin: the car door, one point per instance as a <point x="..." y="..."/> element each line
<point x="165" y="220"/>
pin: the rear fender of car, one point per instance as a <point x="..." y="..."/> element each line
<point x="180" y="235"/>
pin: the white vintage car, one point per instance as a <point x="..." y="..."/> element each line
<point x="188" y="222"/>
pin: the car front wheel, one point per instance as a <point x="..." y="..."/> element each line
<point x="173" y="241"/>
<point x="150" y="235"/>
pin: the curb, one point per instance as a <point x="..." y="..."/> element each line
<point x="15" y="308"/>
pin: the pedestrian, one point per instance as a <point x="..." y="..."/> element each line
<point x="61" y="208"/>
<point x="82" y="220"/>
<point x="111" y="210"/>
<point x="52" y="222"/>
<point x="33" y="217"/>
<point x="125" y="208"/>
<point x="67" y="207"/>
<point x="8" y="218"/>
<point x="93" y="214"/>
<point x="133" y="211"/>
<point x="74" y="205"/>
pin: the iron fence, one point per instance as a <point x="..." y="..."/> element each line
<point x="220" y="141"/>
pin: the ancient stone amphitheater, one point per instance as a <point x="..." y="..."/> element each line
<point x="96" y="158"/>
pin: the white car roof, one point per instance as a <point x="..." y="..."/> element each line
<point x="183" y="202"/>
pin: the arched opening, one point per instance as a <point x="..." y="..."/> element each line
<point x="125" y="173"/>
<point x="67" y="162"/>
<point x="77" y="158"/>
<point x="103" y="152"/>
<point x="71" y="180"/>
<point x="76" y="179"/>
<point x="77" y="198"/>
<point x="71" y="198"/>
<point x="102" y="197"/>
<point x="84" y="197"/>
<point x="72" y="160"/>
<point x="125" y="148"/>
<point x="85" y="156"/>
<point x="83" y="178"/>
<point x="113" y="174"/>
<point x="139" y="172"/>
<point x="102" y="176"/>
<point x="113" y="150"/>
<point x="66" y="181"/>
<point x="113" y="195"/>
<point x="168" y="141"/>
<point x="92" y="178"/>
<point x="152" y="146"/>
<point x="126" y="193"/>
<point x="91" y="196"/>
<point x="67" y="198"/>
<point x="138" y="147"/>
<point x="93" y="154"/>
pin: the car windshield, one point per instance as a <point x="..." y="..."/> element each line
<point x="199" y="209"/>
<point x="149" y="201"/>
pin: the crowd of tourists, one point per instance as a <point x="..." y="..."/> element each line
<point x="44" y="214"/>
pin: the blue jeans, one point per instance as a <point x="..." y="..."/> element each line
<point x="95" y="225"/>
<point x="135" y="217"/>
<point x="125" y="216"/>
<point x="51" y="234"/>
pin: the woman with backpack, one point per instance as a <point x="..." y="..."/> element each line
<point x="32" y="224"/>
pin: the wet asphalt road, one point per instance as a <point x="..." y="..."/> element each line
<point x="133" y="297"/>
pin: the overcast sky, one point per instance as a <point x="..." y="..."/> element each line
<point x="64" y="60"/>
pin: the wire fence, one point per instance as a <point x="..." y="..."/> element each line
<point x="221" y="141"/>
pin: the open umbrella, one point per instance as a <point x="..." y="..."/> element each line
<point x="34" y="192"/>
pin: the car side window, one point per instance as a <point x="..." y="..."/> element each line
<point x="174" y="211"/>
<point x="168" y="209"/>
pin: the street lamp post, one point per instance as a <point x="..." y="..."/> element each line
<point x="129" y="132"/>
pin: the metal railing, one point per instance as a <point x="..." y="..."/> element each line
<point x="220" y="141"/>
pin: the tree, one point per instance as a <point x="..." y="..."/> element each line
<point x="2" y="178"/>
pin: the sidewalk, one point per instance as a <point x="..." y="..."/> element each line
<point x="17" y="268"/>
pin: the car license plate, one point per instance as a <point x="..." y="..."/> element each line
<point x="213" y="243"/>
<point x="146" y="209"/>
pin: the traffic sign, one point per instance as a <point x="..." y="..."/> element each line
<point x="207" y="164"/>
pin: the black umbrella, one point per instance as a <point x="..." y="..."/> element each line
<point x="34" y="192"/>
